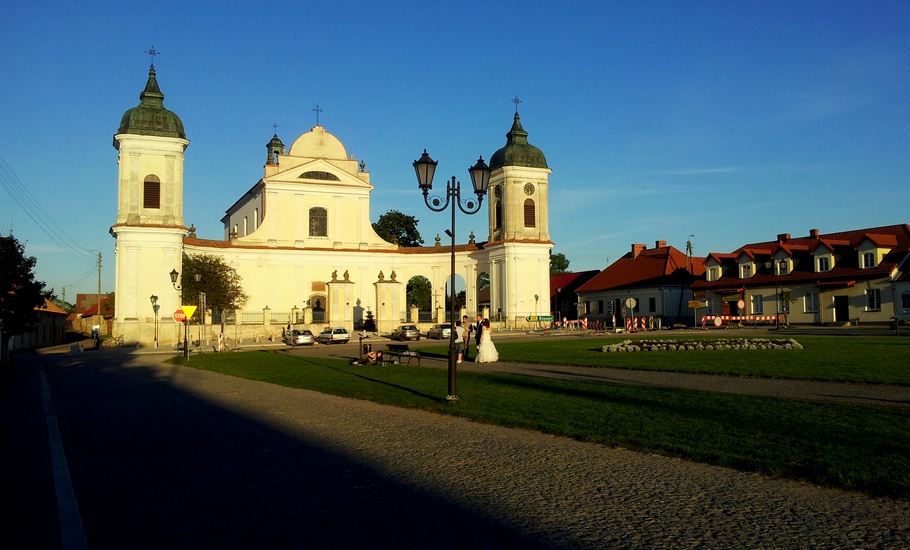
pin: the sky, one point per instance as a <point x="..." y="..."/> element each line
<point x="728" y="121"/>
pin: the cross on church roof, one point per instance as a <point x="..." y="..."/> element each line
<point x="152" y="53"/>
<point x="275" y="127"/>
<point x="516" y="101"/>
<point x="317" y="110"/>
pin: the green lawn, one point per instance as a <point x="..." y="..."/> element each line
<point x="847" y="446"/>
<point x="869" y="360"/>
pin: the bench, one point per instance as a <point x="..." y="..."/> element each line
<point x="398" y="352"/>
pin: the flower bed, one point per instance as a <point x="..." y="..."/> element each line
<point x="701" y="345"/>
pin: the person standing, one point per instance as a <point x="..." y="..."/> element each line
<point x="459" y="339"/>
<point x="478" y="331"/>
<point x="487" y="353"/>
<point x="468" y="329"/>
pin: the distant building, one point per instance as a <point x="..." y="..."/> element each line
<point x="49" y="331"/>
<point x="563" y="297"/>
<point x="657" y="278"/>
<point x="851" y="276"/>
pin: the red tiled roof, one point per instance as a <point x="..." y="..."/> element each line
<point x="50" y="307"/>
<point x="656" y="266"/>
<point x="894" y="237"/>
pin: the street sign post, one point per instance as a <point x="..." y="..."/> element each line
<point x="180" y="316"/>
<point x="540" y="318"/>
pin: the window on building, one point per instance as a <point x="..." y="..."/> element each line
<point x="873" y="299"/>
<point x="713" y="273"/>
<point x="868" y="260"/>
<point x="784" y="302"/>
<point x="151" y="192"/>
<point x="246" y="226"/>
<point x="824" y="264"/>
<point x="600" y="306"/>
<point x="811" y="302"/>
<point x="637" y="308"/>
<point x="757" y="304"/>
<point x="255" y="219"/>
<point x="652" y="304"/>
<point x="319" y="222"/>
<point x="905" y="301"/>
<point x="497" y="218"/>
<point x="530" y="216"/>
<point x="746" y="271"/>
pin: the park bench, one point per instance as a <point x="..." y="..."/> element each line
<point x="398" y="352"/>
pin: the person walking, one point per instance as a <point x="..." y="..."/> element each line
<point x="459" y="339"/>
<point x="487" y="352"/>
<point x="478" y="331"/>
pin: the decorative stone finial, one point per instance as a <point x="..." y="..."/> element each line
<point x="438" y="240"/>
<point x="471" y="238"/>
<point x="381" y="276"/>
<point x="335" y="275"/>
<point x="393" y="275"/>
<point x="192" y="232"/>
<point x="347" y="276"/>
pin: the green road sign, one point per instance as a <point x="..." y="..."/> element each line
<point x="540" y="318"/>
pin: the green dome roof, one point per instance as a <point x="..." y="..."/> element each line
<point x="150" y="118"/>
<point x="518" y="152"/>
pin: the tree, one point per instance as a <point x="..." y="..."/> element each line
<point x="558" y="264"/>
<point x="20" y="293"/>
<point x="220" y="282"/>
<point x="420" y="293"/>
<point x="396" y="227"/>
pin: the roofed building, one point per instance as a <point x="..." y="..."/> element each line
<point x="657" y="279"/>
<point x="851" y="276"/>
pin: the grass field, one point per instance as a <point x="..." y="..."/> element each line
<point x="848" y="446"/>
<point x="867" y="360"/>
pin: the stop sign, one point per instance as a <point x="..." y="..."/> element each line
<point x="180" y="316"/>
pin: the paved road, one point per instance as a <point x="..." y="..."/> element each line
<point x="169" y="456"/>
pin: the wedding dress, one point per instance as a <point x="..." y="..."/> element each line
<point x="487" y="353"/>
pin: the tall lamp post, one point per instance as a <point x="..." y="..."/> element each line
<point x="425" y="167"/>
<point x="155" y="308"/>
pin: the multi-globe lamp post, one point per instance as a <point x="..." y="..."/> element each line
<point x="425" y="167"/>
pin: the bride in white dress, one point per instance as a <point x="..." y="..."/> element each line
<point x="487" y="353"/>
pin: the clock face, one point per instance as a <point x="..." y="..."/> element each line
<point x="529" y="189"/>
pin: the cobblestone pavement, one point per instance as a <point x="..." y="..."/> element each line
<point x="505" y="487"/>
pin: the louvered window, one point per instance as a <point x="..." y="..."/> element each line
<point x="151" y="192"/>
<point x="530" y="217"/>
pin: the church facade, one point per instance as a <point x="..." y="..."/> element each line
<point x="302" y="240"/>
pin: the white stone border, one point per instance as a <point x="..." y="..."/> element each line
<point x="701" y="345"/>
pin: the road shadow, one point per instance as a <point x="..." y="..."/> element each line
<point x="156" y="467"/>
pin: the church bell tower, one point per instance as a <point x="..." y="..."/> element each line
<point x="149" y="228"/>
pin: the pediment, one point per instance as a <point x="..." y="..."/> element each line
<point x="318" y="172"/>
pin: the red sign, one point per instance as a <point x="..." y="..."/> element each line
<point x="180" y="316"/>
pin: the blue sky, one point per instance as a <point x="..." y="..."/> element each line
<point x="730" y="121"/>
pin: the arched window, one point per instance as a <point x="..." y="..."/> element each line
<point x="151" y="192"/>
<point x="530" y="217"/>
<point x="255" y="219"/>
<point x="319" y="222"/>
<point x="246" y="226"/>
<point x="497" y="216"/>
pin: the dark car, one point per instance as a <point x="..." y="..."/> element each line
<point x="406" y="332"/>
<point x="337" y="335"/>
<point x="438" y="332"/>
<point x="301" y="338"/>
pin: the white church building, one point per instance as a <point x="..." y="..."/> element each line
<point x="302" y="240"/>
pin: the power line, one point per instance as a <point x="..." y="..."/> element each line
<point x="33" y="209"/>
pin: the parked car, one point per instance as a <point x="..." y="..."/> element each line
<point x="337" y="335"/>
<point x="301" y="338"/>
<point x="439" y="332"/>
<point x="406" y="332"/>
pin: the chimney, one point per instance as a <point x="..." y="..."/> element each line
<point x="660" y="244"/>
<point x="637" y="248"/>
<point x="813" y="233"/>
<point x="783" y="237"/>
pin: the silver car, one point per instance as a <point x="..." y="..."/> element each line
<point x="337" y="335"/>
<point x="439" y="332"/>
<point x="406" y="332"/>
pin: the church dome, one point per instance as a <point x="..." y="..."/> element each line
<point x="517" y="151"/>
<point x="317" y="143"/>
<point x="150" y="118"/>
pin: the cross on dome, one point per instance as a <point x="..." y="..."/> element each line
<point x="152" y="53"/>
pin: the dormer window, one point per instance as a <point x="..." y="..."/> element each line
<point x="713" y="273"/>
<point x="824" y="264"/>
<point x="869" y="260"/>
<point x="746" y="271"/>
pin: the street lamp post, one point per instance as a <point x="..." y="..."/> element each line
<point x="155" y="307"/>
<point x="186" y="348"/>
<point x="425" y="167"/>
